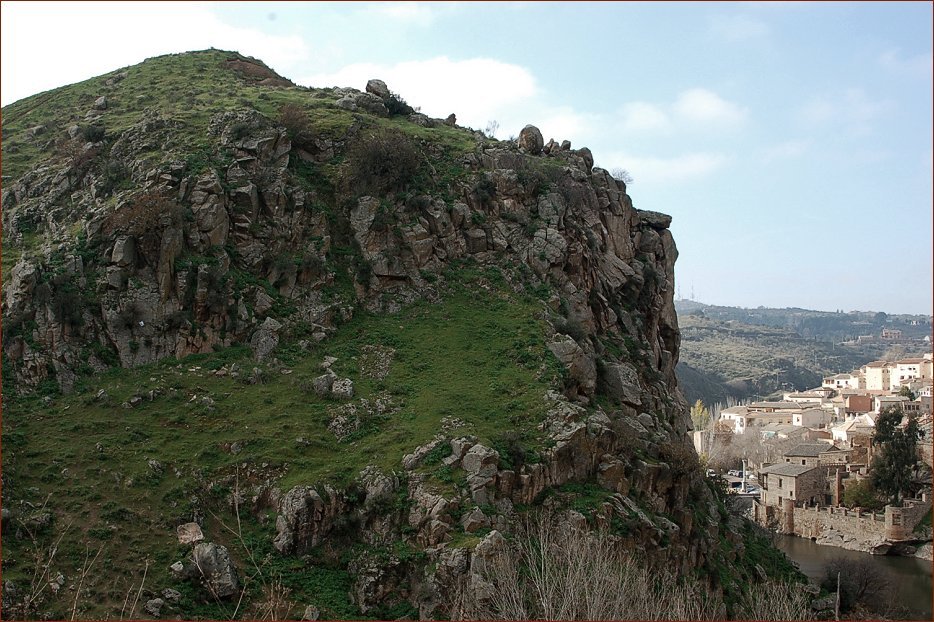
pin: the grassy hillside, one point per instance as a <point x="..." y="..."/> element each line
<point x="474" y="363"/>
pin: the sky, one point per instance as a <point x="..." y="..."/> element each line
<point x="790" y="142"/>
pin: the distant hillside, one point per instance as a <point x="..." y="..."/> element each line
<point x="722" y="356"/>
<point x="821" y="325"/>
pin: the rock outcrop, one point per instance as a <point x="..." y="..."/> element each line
<point x="269" y="230"/>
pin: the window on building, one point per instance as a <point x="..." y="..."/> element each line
<point x="779" y="482"/>
<point x="803" y="462"/>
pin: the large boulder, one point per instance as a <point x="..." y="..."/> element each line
<point x="263" y="342"/>
<point x="378" y="88"/>
<point x="531" y="140"/>
<point x="212" y="563"/>
<point x="154" y="607"/>
<point x="622" y="382"/>
<point x="480" y="460"/>
<point x="581" y="368"/>
<point x="124" y="251"/>
<point x="189" y="533"/>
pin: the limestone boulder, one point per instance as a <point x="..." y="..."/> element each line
<point x="154" y="607"/>
<point x="323" y="383"/>
<point x="124" y="251"/>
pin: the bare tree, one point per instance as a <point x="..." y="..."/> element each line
<point x="862" y="582"/>
<point x="554" y="571"/>
<point x="621" y="174"/>
<point x="558" y="572"/>
<point x="776" y="601"/>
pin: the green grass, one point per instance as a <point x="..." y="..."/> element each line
<point x="475" y="357"/>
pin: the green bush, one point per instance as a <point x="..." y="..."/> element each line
<point x="398" y="107"/>
<point x="382" y="161"/>
<point x="92" y="133"/>
<point x="862" y="494"/>
<point x="297" y="125"/>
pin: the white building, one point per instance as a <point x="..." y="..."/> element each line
<point x="811" y="418"/>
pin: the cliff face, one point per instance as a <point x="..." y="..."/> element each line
<point x="142" y="231"/>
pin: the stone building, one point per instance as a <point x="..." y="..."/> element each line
<point x="808" y="454"/>
<point x="795" y="482"/>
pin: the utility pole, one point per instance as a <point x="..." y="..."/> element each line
<point x="836" y="607"/>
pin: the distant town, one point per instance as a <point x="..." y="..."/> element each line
<point x="804" y="463"/>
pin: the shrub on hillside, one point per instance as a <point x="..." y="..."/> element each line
<point x="862" y="582"/>
<point x="297" y="124"/>
<point x="398" y="107"/>
<point x="382" y="161"/>
<point x="92" y="133"/>
<point x="145" y="213"/>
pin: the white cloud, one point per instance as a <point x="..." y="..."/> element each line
<point x="706" y="107"/>
<point x="921" y="65"/>
<point x="46" y="45"/>
<point x="738" y="27"/>
<point x="654" y="170"/>
<point x="644" y="117"/>
<point x="696" y="109"/>
<point x="476" y="90"/>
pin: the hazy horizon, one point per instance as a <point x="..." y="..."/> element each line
<point x="803" y="308"/>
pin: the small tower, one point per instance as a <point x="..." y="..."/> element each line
<point x="788" y="516"/>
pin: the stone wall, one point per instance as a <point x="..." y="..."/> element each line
<point x="900" y="522"/>
<point x="839" y="526"/>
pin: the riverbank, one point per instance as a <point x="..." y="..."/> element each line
<point x="925" y="551"/>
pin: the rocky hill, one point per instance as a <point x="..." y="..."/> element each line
<point x="309" y="347"/>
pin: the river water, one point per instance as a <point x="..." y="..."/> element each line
<point x="911" y="575"/>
